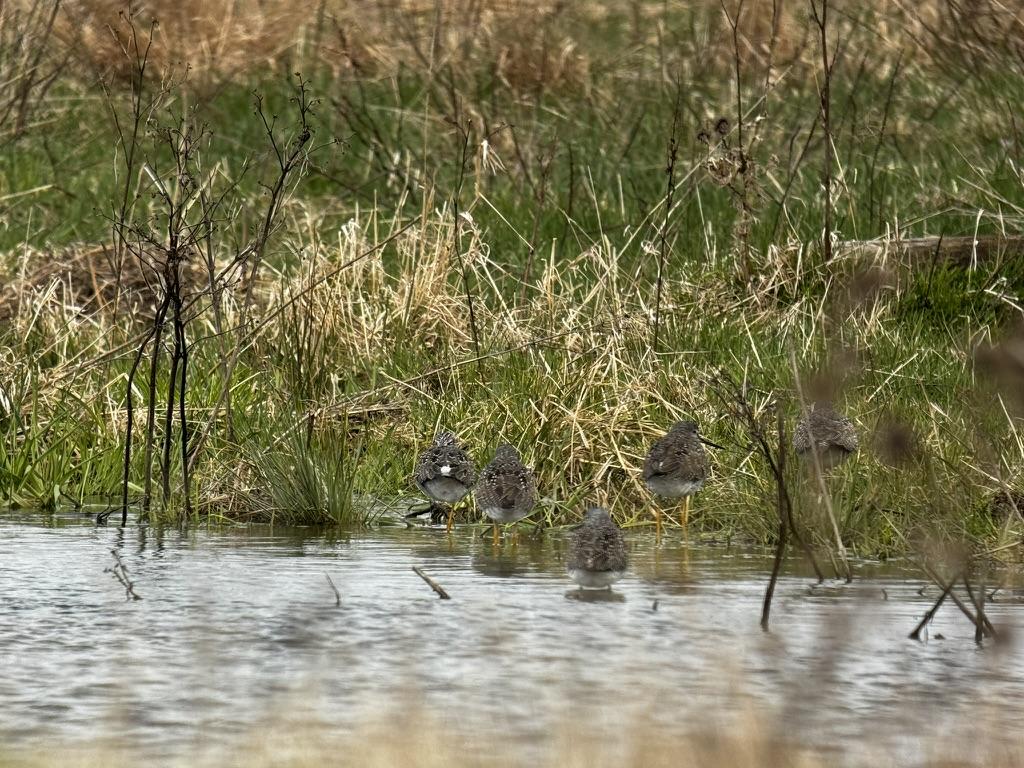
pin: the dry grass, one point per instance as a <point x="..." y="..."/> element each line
<point x="213" y="40"/>
<point x="738" y="739"/>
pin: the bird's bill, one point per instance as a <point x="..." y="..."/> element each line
<point x="713" y="445"/>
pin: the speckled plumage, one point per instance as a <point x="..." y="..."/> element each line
<point x="506" y="490"/>
<point x="444" y="471"/>
<point x="597" y="551"/>
<point x="829" y="431"/>
<point x="677" y="464"/>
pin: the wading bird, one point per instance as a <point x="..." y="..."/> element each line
<point x="597" y="551"/>
<point x="506" y="490"/>
<point x="677" y="466"/>
<point x="445" y="473"/>
<point x="824" y="431"/>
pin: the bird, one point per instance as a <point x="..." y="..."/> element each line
<point x="507" y="489"/>
<point x="826" y="432"/>
<point x="445" y="472"/>
<point x="677" y="466"/>
<point x="597" y="551"/>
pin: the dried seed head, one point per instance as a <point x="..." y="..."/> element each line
<point x="722" y="126"/>
<point x="703" y="136"/>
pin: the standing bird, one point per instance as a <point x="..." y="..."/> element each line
<point x="507" y="490"/>
<point x="828" y="433"/>
<point x="597" y="551"/>
<point x="677" y="466"/>
<point x="444" y="472"/>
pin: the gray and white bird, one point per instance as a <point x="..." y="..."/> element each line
<point x="597" y="551"/>
<point x="677" y="466"/>
<point x="445" y="472"/>
<point x="507" y="489"/>
<point x="824" y="431"/>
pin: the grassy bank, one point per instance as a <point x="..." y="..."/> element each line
<point x="469" y="226"/>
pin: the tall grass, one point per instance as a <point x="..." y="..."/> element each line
<point x="358" y="330"/>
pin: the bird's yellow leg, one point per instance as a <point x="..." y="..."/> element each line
<point x="684" y="519"/>
<point x="451" y="518"/>
<point x="657" y="522"/>
<point x="495" y="540"/>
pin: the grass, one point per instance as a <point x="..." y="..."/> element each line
<point x="358" y="342"/>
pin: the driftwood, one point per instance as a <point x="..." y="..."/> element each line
<point x="432" y="584"/>
<point x="961" y="251"/>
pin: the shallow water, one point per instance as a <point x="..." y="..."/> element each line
<point x="237" y="626"/>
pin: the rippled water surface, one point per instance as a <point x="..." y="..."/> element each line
<point x="236" y="626"/>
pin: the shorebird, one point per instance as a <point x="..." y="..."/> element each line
<point x="506" y="490"/>
<point x="444" y="472"/>
<point x="677" y="466"/>
<point x="826" y="432"/>
<point x="597" y="551"/>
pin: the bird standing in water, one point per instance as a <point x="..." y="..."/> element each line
<point x="445" y="472"/>
<point x="824" y="431"/>
<point x="507" y="489"/>
<point x="677" y="467"/>
<point x="597" y="551"/>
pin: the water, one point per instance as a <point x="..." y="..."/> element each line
<point x="236" y="627"/>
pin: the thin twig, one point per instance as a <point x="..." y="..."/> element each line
<point x="820" y="476"/>
<point x="337" y="594"/>
<point x="821" y="20"/>
<point x="670" y="174"/>
<point x="916" y="634"/>
<point x="121" y="574"/>
<point x="780" y="547"/>
<point x="432" y="584"/>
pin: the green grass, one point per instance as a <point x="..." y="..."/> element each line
<point x="379" y="354"/>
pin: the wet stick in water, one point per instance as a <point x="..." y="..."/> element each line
<point x="780" y="547"/>
<point x="916" y="634"/>
<point x="432" y="584"/>
<point x="981" y="623"/>
<point x="337" y="594"/>
<point x="121" y="574"/>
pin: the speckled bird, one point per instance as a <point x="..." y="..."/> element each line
<point x="677" y="466"/>
<point x="597" y="551"/>
<point x="507" y="489"/>
<point x="445" y="472"/>
<point x="829" y="432"/>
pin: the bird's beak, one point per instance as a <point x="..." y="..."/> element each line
<point x="713" y="445"/>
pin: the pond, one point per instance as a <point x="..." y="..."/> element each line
<point x="237" y="626"/>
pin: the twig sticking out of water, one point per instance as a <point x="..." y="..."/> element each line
<point x="782" y="502"/>
<point x="121" y="574"/>
<point x="916" y="634"/>
<point x="981" y="623"/>
<point x="432" y="584"/>
<point x="337" y="594"/>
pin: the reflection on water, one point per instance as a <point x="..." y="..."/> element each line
<point x="236" y="625"/>
<point x="595" y="596"/>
